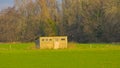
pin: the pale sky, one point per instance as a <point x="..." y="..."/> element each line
<point x="5" y="4"/>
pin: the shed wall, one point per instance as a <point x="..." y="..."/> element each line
<point x="53" y="42"/>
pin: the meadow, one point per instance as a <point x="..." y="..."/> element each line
<point x="24" y="55"/>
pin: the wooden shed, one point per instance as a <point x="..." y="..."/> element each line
<point x="59" y="42"/>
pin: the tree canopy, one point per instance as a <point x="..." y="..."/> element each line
<point x="80" y="20"/>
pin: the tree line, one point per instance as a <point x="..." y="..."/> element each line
<point x="80" y="20"/>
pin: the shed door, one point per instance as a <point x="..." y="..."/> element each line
<point x="56" y="43"/>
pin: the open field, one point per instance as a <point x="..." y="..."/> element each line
<point x="76" y="56"/>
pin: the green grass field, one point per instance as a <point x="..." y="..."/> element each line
<point x="24" y="55"/>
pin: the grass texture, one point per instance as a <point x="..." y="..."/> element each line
<point x="24" y="55"/>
